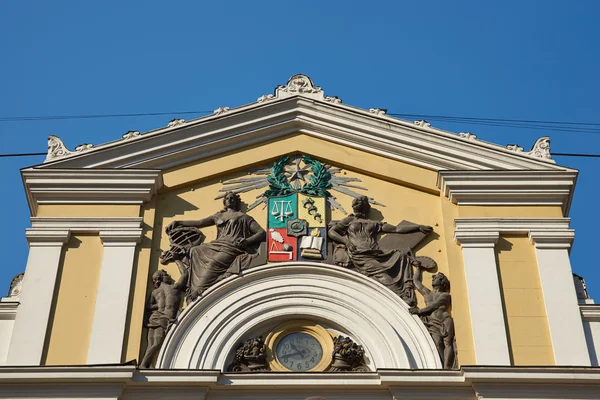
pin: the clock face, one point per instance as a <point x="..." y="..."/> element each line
<point x="299" y="351"/>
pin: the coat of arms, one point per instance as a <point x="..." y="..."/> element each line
<point x="297" y="197"/>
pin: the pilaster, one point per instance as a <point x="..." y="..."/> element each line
<point x="562" y="308"/>
<point x="485" y="300"/>
<point x="31" y="323"/>
<point x="112" y="300"/>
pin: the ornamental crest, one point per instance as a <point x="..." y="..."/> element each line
<point x="298" y="193"/>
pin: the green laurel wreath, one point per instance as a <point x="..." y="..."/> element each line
<point x="319" y="181"/>
<point x="278" y="183"/>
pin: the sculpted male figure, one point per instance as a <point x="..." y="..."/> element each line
<point x="435" y="314"/>
<point x="164" y="305"/>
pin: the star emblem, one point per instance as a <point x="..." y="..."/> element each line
<point x="297" y="172"/>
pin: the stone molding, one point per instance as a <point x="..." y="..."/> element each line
<point x="476" y="239"/>
<point x="590" y="312"/>
<point x="390" y="335"/>
<point x="509" y="188"/>
<point x="470" y="382"/>
<point x="89" y="186"/>
<point x="303" y="108"/>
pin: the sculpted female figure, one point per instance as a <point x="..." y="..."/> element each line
<point x="360" y="234"/>
<point x="234" y="248"/>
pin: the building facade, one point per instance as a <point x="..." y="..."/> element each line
<point x="297" y="248"/>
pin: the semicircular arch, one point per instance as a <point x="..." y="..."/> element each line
<point x="209" y="329"/>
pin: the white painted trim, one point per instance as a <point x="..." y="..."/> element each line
<point x="485" y="300"/>
<point x="87" y="186"/>
<point x="86" y="224"/>
<point x="31" y="323"/>
<point x="240" y="128"/>
<point x="552" y="239"/>
<point x="562" y="308"/>
<point x="509" y="188"/>
<point x="112" y="299"/>
<point x="125" y="382"/>
<point x="207" y="331"/>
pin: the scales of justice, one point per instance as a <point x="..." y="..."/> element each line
<point x="282" y="209"/>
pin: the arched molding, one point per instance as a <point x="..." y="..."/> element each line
<point x="208" y="330"/>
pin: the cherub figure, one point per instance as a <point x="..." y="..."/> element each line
<point x="164" y="306"/>
<point x="435" y="314"/>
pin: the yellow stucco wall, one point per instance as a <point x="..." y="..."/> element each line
<point x="71" y="320"/>
<point x="526" y="318"/>
<point x="409" y="193"/>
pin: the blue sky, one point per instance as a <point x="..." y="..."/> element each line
<point x="514" y="59"/>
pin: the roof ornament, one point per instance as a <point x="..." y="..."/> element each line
<point x="56" y="148"/>
<point x="175" y="122"/>
<point x="467" y="135"/>
<point x="14" y="291"/>
<point x="540" y="149"/>
<point x="221" y="110"/>
<point x="378" y="111"/>
<point x="299" y="85"/>
<point x="422" y="123"/>
<point x="131" y="135"/>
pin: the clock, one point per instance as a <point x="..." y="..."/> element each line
<point x="299" y="346"/>
<point x="299" y="351"/>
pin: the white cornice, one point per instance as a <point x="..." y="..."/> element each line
<point x="512" y="225"/>
<point x="89" y="186"/>
<point x="251" y="125"/>
<point x="8" y="308"/>
<point x="87" y="224"/>
<point x="511" y="188"/>
<point x="590" y="312"/>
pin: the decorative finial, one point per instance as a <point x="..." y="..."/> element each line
<point x="16" y="285"/>
<point x="56" y="148"/>
<point x="299" y="85"/>
<point x="541" y="148"/>
<point x="378" y="111"/>
<point x="84" y="147"/>
<point x="422" y="123"/>
<point x="467" y="135"/>
<point x="175" y="122"/>
<point x="514" y="147"/>
<point x="131" y="134"/>
<point x="221" y="110"/>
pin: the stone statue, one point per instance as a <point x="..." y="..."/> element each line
<point x="238" y="236"/>
<point x="347" y="356"/>
<point x="163" y="306"/>
<point x="358" y="247"/>
<point x="435" y="315"/>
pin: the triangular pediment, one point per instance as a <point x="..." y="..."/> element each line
<point x="300" y="108"/>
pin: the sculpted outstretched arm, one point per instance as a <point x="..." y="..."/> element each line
<point x="389" y="228"/>
<point x="417" y="280"/>
<point x="203" y="223"/>
<point x="183" y="278"/>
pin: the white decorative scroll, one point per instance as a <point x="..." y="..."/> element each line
<point x="131" y="135"/>
<point x="221" y="110"/>
<point x="175" y="122"/>
<point x="541" y="148"/>
<point x="467" y="135"/>
<point x="422" y="123"/>
<point x="266" y="97"/>
<point x="378" y="111"/>
<point x="515" y="148"/>
<point x="56" y="148"/>
<point x="84" y="147"/>
<point x="16" y="285"/>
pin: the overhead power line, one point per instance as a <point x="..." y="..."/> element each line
<point x="554" y="154"/>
